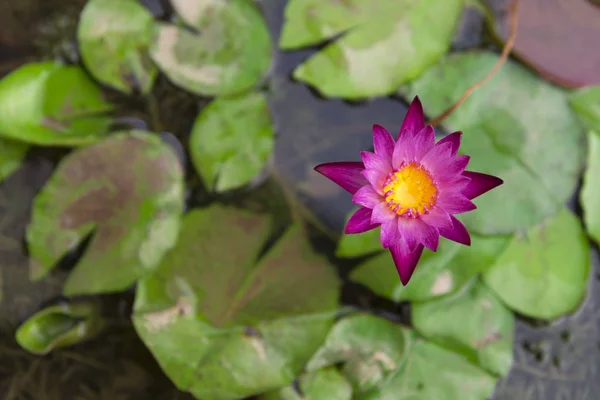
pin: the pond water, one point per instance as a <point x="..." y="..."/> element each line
<point x="552" y="361"/>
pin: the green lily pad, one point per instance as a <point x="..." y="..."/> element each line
<point x="12" y="154"/>
<point x="324" y="384"/>
<point x="129" y="189"/>
<point x="355" y="245"/>
<point x="431" y="373"/>
<point x="485" y="333"/>
<point x="114" y="36"/>
<point x="544" y="273"/>
<point x="385" y="43"/>
<point x="232" y="140"/>
<point x="231" y="54"/>
<point x="586" y="103"/>
<point x="514" y="127"/>
<point x="437" y="274"/>
<point x="52" y="104"/>
<point x="370" y="347"/>
<point x="223" y="325"/>
<point x="60" y="326"/>
<point x="590" y="191"/>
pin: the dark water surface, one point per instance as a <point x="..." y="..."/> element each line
<point x="552" y="361"/>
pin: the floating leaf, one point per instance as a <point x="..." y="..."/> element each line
<point x="545" y="39"/>
<point x="231" y="141"/>
<point x="437" y="274"/>
<point x="12" y="154"/>
<point x="590" y="191"/>
<point x="324" y="384"/>
<point x="52" y="104"/>
<point x="485" y="332"/>
<point x="432" y="372"/>
<point x="223" y="325"/>
<point x="543" y="274"/>
<point x="114" y="36"/>
<point x="129" y="188"/>
<point x="370" y="348"/>
<point x="516" y="127"/>
<point x="385" y="43"/>
<point x="231" y="54"/>
<point x="60" y="326"/>
<point x="586" y="103"/>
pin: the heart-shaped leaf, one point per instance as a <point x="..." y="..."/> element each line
<point x="231" y="53"/>
<point x="384" y="43"/>
<point x="370" y="347"/>
<point x="129" y="189"/>
<point x="114" y="36"/>
<point x="485" y="332"/>
<point x="12" y="154"/>
<point x="543" y="274"/>
<point x="517" y="127"/>
<point x="52" y="104"/>
<point x="232" y="140"/>
<point x="437" y="274"/>
<point x="223" y="325"/>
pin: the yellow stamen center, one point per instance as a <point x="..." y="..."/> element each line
<point x="410" y="191"/>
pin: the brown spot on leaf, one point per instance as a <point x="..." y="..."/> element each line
<point x="54" y="124"/>
<point x="385" y="360"/>
<point x="259" y="346"/>
<point x="117" y="178"/>
<point x="158" y="320"/>
<point x="67" y="107"/>
<point x="491" y="338"/>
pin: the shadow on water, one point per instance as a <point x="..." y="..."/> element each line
<point x="551" y="360"/>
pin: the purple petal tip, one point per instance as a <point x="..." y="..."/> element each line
<point x="345" y="174"/>
<point x="480" y="184"/>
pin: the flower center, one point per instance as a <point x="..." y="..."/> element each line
<point x="410" y="191"/>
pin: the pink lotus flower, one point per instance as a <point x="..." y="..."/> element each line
<point x="411" y="188"/>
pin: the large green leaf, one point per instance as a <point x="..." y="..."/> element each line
<point x="544" y="273"/>
<point x="323" y="384"/>
<point x="385" y="43"/>
<point x="433" y="373"/>
<point x="12" y="154"/>
<point x="586" y="103"/>
<point x="231" y="54"/>
<point x="485" y="332"/>
<point x="129" y="189"/>
<point x="52" y="104"/>
<point x="590" y="191"/>
<point x="517" y="127"/>
<point x="232" y="140"/>
<point x="437" y="274"/>
<point x="221" y="324"/>
<point x="114" y="36"/>
<point x="370" y="347"/>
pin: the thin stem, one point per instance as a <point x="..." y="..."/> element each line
<point x="154" y="111"/>
<point x="508" y="46"/>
